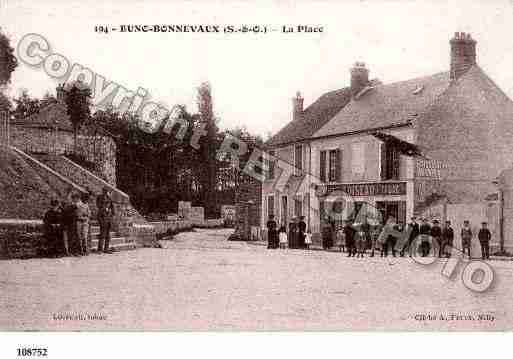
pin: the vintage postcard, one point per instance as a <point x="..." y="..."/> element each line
<point x="256" y="166"/>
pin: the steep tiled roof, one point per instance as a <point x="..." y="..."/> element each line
<point x="387" y="105"/>
<point x="51" y="116"/>
<point x="313" y="118"/>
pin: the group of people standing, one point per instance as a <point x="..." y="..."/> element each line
<point x="67" y="225"/>
<point x="443" y="237"/>
<point x="295" y="237"/>
<point x="357" y="238"/>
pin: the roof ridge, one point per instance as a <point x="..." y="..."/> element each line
<point x="488" y="78"/>
<point x="411" y="80"/>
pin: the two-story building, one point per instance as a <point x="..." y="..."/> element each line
<point x="394" y="148"/>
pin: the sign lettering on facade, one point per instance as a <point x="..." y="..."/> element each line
<point x="370" y="189"/>
<point x="429" y="168"/>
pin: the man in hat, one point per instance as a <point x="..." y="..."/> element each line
<point x="484" y="236"/>
<point x="436" y="234"/>
<point x="447" y="238"/>
<point x="413" y="228"/>
<point x="425" y="233"/>
<point x="466" y="237"/>
<point x="106" y="213"/>
<point x="349" y="235"/>
<point x="52" y="228"/>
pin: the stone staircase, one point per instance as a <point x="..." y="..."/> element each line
<point x="117" y="242"/>
<point x="130" y="229"/>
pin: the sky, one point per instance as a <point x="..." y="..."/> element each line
<point x="254" y="76"/>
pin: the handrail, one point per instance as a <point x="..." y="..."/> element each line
<point x="46" y="168"/>
<point x="103" y="182"/>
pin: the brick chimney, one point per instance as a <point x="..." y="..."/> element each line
<point x="297" y="106"/>
<point x="60" y="93"/>
<point x="463" y="54"/>
<point x="359" y="77"/>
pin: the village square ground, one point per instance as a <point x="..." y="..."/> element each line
<point x="201" y="281"/>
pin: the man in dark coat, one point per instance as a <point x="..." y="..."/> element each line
<point x="436" y="234"/>
<point x="413" y="228"/>
<point x="52" y="222"/>
<point x="301" y="226"/>
<point x="106" y="214"/>
<point x="272" y="233"/>
<point x="484" y="237"/>
<point x="447" y="239"/>
<point x="349" y="234"/>
<point x="425" y="232"/>
<point x="69" y="225"/>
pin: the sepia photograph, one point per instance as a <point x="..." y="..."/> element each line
<point x="281" y="166"/>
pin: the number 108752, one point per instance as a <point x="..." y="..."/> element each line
<point x="32" y="352"/>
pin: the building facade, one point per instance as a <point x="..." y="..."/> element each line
<point x="395" y="150"/>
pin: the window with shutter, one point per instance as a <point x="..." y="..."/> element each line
<point x="298" y="156"/>
<point x="390" y="162"/>
<point x="333" y="164"/>
<point x="271" y="164"/>
<point x="322" y="166"/>
<point x="338" y="166"/>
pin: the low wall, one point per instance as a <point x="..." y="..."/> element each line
<point x="21" y="239"/>
<point x="162" y="227"/>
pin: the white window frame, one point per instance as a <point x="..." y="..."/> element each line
<point x="327" y="169"/>
<point x="298" y="172"/>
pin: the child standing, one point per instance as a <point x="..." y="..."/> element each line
<point x="360" y="239"/>
<point x="340" y="240"/>
<point x="283" y="237"/>
<point x="308" y="240"/>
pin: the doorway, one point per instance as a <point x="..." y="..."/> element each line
<point x="396" y="209"/>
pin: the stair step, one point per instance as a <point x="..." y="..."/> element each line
<point x="113" y="240"/>
<point x="116" y="247"/>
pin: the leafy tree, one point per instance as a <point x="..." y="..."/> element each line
<point x="208" y="148"/>
<point x="8" y="61"/>
<point x="25" y="105"/>
<point x="78" y="101"/>
<point x="5" y="104"/>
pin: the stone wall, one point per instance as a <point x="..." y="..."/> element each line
<point x="21" y="239"/>
<point x="99" y="150"/>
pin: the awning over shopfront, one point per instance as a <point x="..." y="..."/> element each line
<point x="404" y="147"/>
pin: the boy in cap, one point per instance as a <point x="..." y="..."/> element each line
<point x="466" y="237"/>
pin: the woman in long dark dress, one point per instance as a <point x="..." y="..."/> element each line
<point x="327" y="234"/>
<point x="302" y="232"/>
<point x="272" y="233"/>
<point x="293" y="234"/>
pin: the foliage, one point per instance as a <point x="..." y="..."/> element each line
<point x="8" y="61"/>
<point x="208" y="149"/>
<point x="25" y="105"/>
<point x="78" y="99"/>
